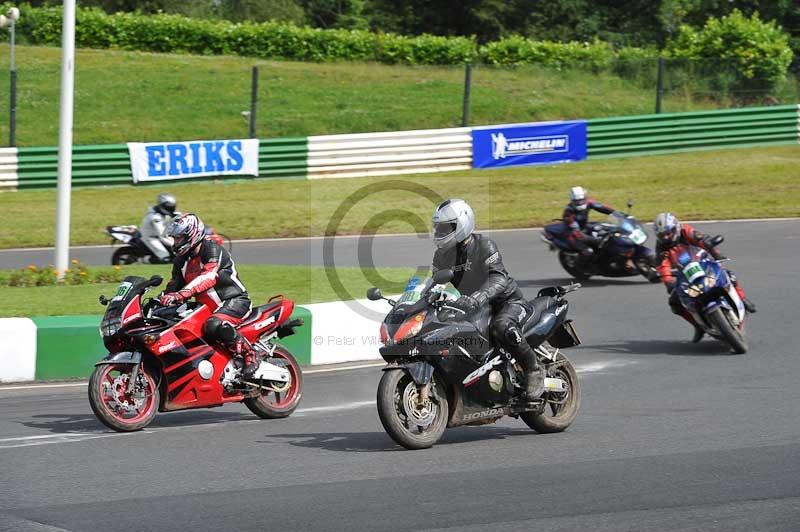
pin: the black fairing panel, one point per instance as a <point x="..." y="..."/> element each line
<point x="548" y="313"/>
<point x="123" y="357"/>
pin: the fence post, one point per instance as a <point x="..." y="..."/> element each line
<point x="465" y="105"/>
<point x="659" y="84"/>
<point x="253" y="102"/>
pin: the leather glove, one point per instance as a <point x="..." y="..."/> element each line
<point x="466" y="303"/>
<point x="171" y="298"/>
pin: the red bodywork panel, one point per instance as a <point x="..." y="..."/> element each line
<point x="182" y="348"/>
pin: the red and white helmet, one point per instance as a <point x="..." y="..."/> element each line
<point x="667" y="228"/>
<point x="187" y="231"/>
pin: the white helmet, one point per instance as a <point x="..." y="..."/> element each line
<point x="577" y="197"/>
<point x="667" y="228"/>
<point x="453" y="222"/>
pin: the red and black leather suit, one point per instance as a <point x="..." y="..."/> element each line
<point x="209" y="274"/>
<point x="667" y="255"/>
<point x="576" y="220"/>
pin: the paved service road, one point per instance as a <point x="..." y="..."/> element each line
<point x="671" y="436"/>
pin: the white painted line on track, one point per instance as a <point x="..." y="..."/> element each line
<point x="421" y="235"/>
<point x="50" y="439"/>
<point x="330" y="370"/>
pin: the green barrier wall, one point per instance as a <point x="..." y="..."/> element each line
<point x="110" y="164"/>
<point x="68" y="346"/>
<point x="673" y="132"/>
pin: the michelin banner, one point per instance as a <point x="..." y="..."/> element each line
<point x="523" y="144"/>
<point x="159" y="161"/>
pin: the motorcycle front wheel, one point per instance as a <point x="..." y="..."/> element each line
<point x="728" y="331"/>
<point x="410" y="421"/>
<point x="569" y="261"/>
<point x="114" y="405"/>
<point x="561" y="408"/>
<point x="124" y="255"/>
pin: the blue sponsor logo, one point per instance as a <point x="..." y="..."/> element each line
<point x="188" y="158"/>
<point x="523" y="144"/>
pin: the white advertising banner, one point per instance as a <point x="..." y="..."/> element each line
<point x="160" y="161"/>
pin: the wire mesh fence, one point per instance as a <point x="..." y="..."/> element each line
<point x="130" y="96"/>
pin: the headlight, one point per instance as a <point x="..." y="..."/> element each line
<point x="710" y="281"/>
<point x="694" y="290"/>
<point x="411" y="327"/>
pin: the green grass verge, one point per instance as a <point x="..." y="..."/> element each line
<point x="303" y="284"/>
<point x="740" y="183"/>
<point x="132" y="96"/>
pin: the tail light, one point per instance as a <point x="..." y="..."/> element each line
<point x="411" y="327"/>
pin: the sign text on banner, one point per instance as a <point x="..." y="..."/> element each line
<point x="522" y="144"/>
<point x="159" y="161"/>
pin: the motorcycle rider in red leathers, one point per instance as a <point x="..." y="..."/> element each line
<point x="203" y="269"/>
<point x="669" y="233"/>
<point x="576" y="219"/>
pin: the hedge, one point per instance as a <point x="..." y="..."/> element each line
<point x="166" y="33"/>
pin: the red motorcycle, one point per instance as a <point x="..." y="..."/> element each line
<point x="159" y="362"/>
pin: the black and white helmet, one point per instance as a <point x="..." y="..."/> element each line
<point x="667" y="228"/>
<point x="166" y="203"/>
<point x="577" y="198"/>
<point x="453" y="222"/>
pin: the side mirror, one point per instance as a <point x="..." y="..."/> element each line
<point x="442" y="276"/>
<point x="103" y="300"/>
<point x="155" y="280"/>
<point x="630" y="204"/>
<point x="716" y="240"/>
<point x="374" y="294"/>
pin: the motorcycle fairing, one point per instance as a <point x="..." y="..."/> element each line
<point x="122" y="357"/>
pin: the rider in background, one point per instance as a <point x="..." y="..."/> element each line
<point x="669" y="233"/>
<point x="482" y="279"/>
<point x="576" y="219"/>
<point x="204" y="269"/>
<point x="153" y="228"/>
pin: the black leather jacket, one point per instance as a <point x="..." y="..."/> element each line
<point x="479" y="270"/>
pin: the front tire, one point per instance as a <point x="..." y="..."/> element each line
<point x="729" y="333"/>
<point x="274" y="405"/>
<point x="408" y="423"/>
<point x="114" y="406"/>
<point x="562" y="406"/>
<point x="569" y="261"/>
<point x="124" y="255"/>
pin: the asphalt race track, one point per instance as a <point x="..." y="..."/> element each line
<point x="671" y="435"/>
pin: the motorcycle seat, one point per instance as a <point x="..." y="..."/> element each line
<point x="541" y="305"/>
<point x="258" y="312"/>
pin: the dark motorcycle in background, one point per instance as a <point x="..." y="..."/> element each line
<point x="619" y="249"/>
<point x="443" y="369"/>
<point x="134" y="249"/>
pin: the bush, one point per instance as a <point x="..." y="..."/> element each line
<point x="517" y="50"/>
<point x="757" y="52"/>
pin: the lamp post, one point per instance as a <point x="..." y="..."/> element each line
<point x="10" y="19"/>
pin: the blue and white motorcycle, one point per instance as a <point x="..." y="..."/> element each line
<point x="706" y="290"/>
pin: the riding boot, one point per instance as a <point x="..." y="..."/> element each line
<point x="749" y="306"/>
<point x="534" y="373"/>
<point x="698" y="331"/>
<point x="247" y="356"/>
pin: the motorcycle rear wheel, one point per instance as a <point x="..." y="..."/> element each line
<point x="124" y="255"/>
<point x="396" y="391"/>
<point x="275" y="405"/>
<point x="563" y="407"/>
<point x="569" y="264"/>
<point x="729" y="333"/>
<point x="108" y="384"/>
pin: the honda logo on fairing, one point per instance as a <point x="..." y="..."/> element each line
<point x="485" y="413"/>
<point x="473" y="377"/>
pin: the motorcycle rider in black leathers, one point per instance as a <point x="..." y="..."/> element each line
<point x="482" y="279"/>
<point x="576" y="219"/>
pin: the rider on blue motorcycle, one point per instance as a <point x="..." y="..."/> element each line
<point x="576" y="220"/>
<point x="669" y="233"/>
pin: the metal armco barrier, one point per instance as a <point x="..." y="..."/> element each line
<point x="432" y="150"/>
<point x="392" y="153"/>
<point x="664" y="133"/>
<point x="109" y="164"/>
<point x="8" y="168"/>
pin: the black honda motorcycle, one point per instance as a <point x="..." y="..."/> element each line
<point x="443" y="369"/>
<point x="619" y="249"/>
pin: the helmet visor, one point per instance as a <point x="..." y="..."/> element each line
<point x="443" y="229"/>
<point x="667" y="233"/>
